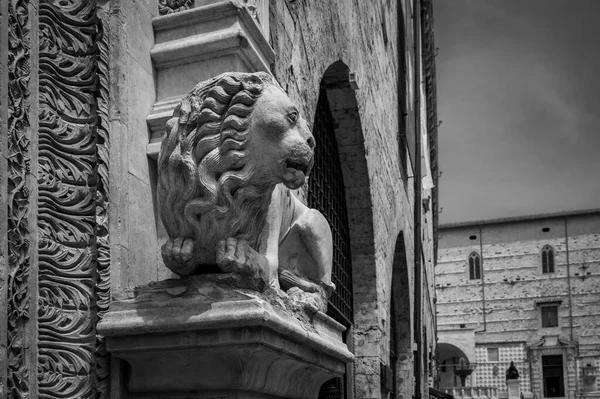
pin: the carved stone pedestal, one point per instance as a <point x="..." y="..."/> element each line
<point x="514" y="389"/>
<point x="203" y="338"/>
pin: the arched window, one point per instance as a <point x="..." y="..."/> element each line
<point x="547" y="259"/>
<point x="327" y="194"/>
<point x="474" y="266"/>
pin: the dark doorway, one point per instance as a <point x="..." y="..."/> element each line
<point x="326" y="193"/>
<point x="552" y="369"/>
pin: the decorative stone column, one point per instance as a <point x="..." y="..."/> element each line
<point x="208" y="336"/>
<point x="53" y="189"/>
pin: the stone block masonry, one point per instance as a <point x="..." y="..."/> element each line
<point x="525" y="300"/>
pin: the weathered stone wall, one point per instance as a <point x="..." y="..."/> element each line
<point x="134" y="225"/>
<point x="504" y="306"/>
<point x="308" y="37"/>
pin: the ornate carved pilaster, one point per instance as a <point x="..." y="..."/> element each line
<point x="67" y="192"/>
<point x="20" y="235"/>
<point x="54" y="253"/>
<point x="3" y="178"/>
<point x="102" y="202"/>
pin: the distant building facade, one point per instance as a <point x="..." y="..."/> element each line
<point x="525" y="290"/>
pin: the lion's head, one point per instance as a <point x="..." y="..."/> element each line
<point x="230" y="141"/>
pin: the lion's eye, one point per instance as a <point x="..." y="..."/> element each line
<point x="293" y="116"/>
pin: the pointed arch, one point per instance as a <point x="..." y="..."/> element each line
<point x="547" y="255"/>
<point x="336" y="87"/>
<point x="327" y="193"/>
<point x="348" y="140"/>
<point x="401" y="335"/>
<point x="474" y="266"/>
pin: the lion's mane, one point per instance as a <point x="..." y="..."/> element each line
<point x="207" y="186"/>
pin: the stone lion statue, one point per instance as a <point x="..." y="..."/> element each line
<point x="234" y="148"/>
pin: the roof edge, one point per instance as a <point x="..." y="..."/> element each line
<point x="520" y="218"/>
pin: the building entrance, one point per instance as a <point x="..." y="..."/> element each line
<point x="326" y="193"/>
<point x="552" y="369"/>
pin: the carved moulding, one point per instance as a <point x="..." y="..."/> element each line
<point x="67" y="190"/>
<point x="103" y="282"/>
<point x="190" y="46"/>
<point x="19" y="204"/>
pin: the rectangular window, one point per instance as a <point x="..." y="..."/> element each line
<point x="549" y="316"/>
<point x="492" y="354"/>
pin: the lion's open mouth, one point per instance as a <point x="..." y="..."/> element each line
<point x="295" y="172"/>
<point x="301" y="166"/>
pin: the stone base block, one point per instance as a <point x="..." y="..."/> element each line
<point x="203" y="338"/>
<point x="514" y="389"/>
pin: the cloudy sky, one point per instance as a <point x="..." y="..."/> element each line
<point x="519" y="98"/>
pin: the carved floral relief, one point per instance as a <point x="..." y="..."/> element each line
<point x="102" y="289"/>
<point x="67" y="192"/>
<point x="19" y="202"/>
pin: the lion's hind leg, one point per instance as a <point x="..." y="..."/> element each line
<point x="306" y="253"/>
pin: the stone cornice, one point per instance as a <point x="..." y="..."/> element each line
<point x="218" y="37"/>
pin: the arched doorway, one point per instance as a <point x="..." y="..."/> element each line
<point x="326" y="193"/>
<point x="450" y="357"/>
<point x="339" y="188"/>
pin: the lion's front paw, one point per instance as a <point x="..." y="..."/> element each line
<point x="236" y="256"/>
<point x="179" y="255"/>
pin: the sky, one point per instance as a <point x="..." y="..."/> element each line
<point x="518" y="85"/>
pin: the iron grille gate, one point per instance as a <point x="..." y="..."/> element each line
<point x="326" y="193"/>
